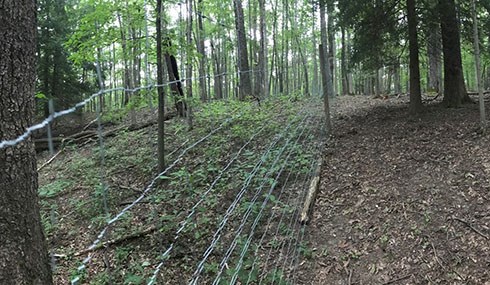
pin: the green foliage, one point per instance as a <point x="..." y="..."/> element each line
<point x="54" y="188"/>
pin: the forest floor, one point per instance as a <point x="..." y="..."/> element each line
<point x="402" y="200"/>
<point x="240" y="164"/>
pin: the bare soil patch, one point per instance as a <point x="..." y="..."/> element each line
<point x="403" y="200"/>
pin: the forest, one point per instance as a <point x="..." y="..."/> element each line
<point x="244" y="142"/>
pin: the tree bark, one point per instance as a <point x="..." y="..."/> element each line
<point x="454" y="85"/>
<point x="161" y="91"/>
<point x="476" y="42"/>
<point x="343" y="65"/>
<point x="415" y="93"/>
<point x="331" y="43"/>
<point x="263" y="74"/>
<point x="434" y="82"/>
<point x="325" y="69"/>
<point x="201" y="49"/>
<point x="23" y="255"/>
<point x="174" y="78"/>
<point x="245" y="86"/>
<point x="188" y="74"/>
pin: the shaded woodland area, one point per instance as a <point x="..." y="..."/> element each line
<point x="244" y="142"/>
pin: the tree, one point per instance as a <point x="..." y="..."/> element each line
<point x="476" y="42"/>
<point x="23" y="255"/>
<point x="56" y="75"/>
<point x="325" y="69"/>
<point x="243" y="65"/>
<point x="454" y="86"/>
<point x="415" y="93"/>
<point x="161" y="91"/>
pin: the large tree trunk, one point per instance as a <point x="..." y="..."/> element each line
<point x="454" y="86"/>
<point x="243" y="65"/>
<point x="415" y="93"/>
<point x="23" y="255"/>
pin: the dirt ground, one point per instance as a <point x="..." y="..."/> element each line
<point x="403" y="200"/>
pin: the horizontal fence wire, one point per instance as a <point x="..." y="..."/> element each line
<point x="55" y="115"/>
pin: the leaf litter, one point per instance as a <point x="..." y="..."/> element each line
<point x="403" y="200"/>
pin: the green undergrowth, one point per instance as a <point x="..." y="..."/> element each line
<point x="87" y="185"/>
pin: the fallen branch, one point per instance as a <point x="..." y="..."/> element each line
<point x="89" y="124"/>
<point x="312" y="193"/>
<point x="85" y="135"/>
<point x="398" y="279"/>
<point x="470" y="226"/>
<point x="116" y="241"/>
<point x="50" y="160"/>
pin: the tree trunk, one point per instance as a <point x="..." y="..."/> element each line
<point x="454" y="86"/>
<point x="245" y="87"/>
<point x="201" y="49"/>
<point x="415" y="93"/>
<point x="434" y="82"/>
<point x="24" y="255"/>
<point x="263" y="74"/>
<point x="343" y="65"/>
<point x="331" y="43"/>
<point x="174" y="78"/>
<point x="188" y="74"/>
<point x="315" y="62"/>
<point x="397" y="78"/>
<point x="476" y="42"/>
<point x="161" y="90"/>
<point x="325" y="69"/>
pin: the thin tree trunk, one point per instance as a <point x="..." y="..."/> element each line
<point x="202" y="51"/>
<point x="325" y="69"/>
<point x="331" y="43"/>
<point x="263" y="74"/>
<point x="415" y="93"/>
<point x="476" y="42"/>
<point x="161" y="90"/>
<point x="315" y="83"/>
<point x="189" y="66"/>
<point x="343" y="65"/>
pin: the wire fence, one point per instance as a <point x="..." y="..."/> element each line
<point x="261" y="187"/>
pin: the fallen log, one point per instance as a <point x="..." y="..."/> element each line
<point x="117" y="241"/>
<point x="84" y="135"/>
<point x="312" y="193"/>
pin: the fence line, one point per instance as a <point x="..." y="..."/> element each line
<point x="143" y="195"/>
<point x="232" y="207"/>
<point x="259" y="215"/>
<point x="166" y="253"/>
<point x="55" y="115"/>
